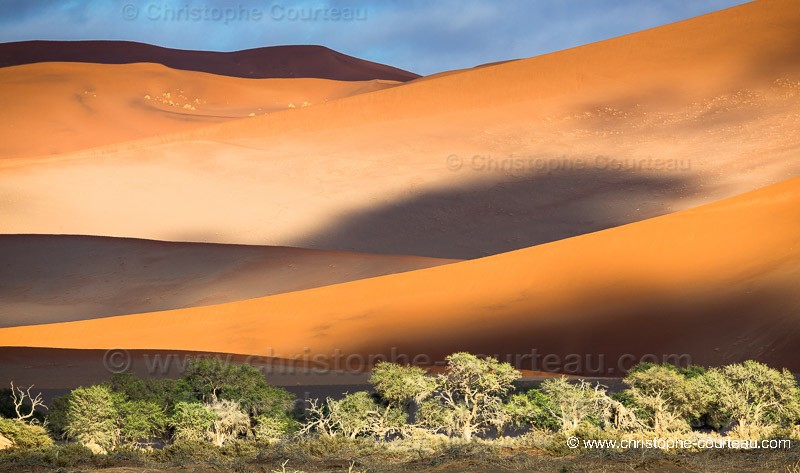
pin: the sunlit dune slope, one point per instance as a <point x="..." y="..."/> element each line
<point x="718" y="283"/>
<point x="663" y="67"/>
<point x="464" y="165"/>
<point x="61" y="107"/>
<point x="57" y="278"/>
<point x="259" y="63"/>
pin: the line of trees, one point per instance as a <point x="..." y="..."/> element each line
<point x="218" y="403"/>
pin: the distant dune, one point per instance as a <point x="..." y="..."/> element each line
<point x="718" y="283"/>
<point x="57" y="278"/>
<point x="78" y="106"/>
<point x="298" y="61"/>
<point x="635" y="197"/>
<point x="464" y="165"/>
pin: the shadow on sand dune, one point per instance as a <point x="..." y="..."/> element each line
<point x="509" y="213"/>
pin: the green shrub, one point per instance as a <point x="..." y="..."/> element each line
<point x="691" y="371"/>
<point x="69" y="455"/>
<point x="575" y="404"/>
<point x="34" y="459"/>
<point x="24" y="435"/>
<point x="401" y="386"/>
<point x="752" y="395"/>
<point x="212" y="379"/>
<point x="625" y="397"/>
<point x="191" y="421"/>
<point x="162" y="392"/>
<point x="531" y="409"/>
<point x="269" y="428"/>
<point x="240" y="449"/>
<point x="671" y="400"/>
<point x="57" y="416"/>
<point x="356" y="415"/>
<point x="472" y="389"/>
<point x="435" y="417"/>
<point x="188" y="451"/>
<point x="141" y="422"/>
<point x="92" y="417"/>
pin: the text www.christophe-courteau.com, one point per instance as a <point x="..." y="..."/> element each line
<point x="309" y="362"/>
<point x="680" y="444"/>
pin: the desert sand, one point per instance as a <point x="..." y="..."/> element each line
<point x="78" y="106"/>
<point x="636" y="196"/>
<point x="56" y="278"/>
<point x="718" y="282"/>
<point x="567" y="143"/>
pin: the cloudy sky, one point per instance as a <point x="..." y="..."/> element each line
<point x="423" y="36"/>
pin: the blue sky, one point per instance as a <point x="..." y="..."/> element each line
<point x="424" y="36"/>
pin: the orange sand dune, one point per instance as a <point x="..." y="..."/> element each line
<point x="79" y="106"/>
<point x="57" y="278"/>
<point x="258" y="63"/>
<point x="463" y="165"/>
<point x="718" y="283"/>
<point x="665" y="67"/>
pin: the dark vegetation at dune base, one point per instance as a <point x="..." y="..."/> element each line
<point x="472" y="417"/>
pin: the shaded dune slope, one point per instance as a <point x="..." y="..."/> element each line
<point x="57" y="278"/>
<point x="717" y="283"/>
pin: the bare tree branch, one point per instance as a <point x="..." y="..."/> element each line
<point x="19" y="396"/>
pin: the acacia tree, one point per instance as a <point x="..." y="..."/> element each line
<point x="401" y="386"/>
<point x="191" y="421"/>
<point x="207" y="377"/>
<point x="531" y="409"/>
<point x="211" y="379"/>
<point x="217" y="422"/>
<point x="670" y="399"/>
<point x="92" y="417"/>
<point x="355" y="415"/>
<point x="750" y="396"/>
<point x="141" y="422"/>
<point x="469" y="396"/>
<point x="270" y="429"/>
<point x="573" y="404"/>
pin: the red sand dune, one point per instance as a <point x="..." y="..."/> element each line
<point x="718" y="283"/>
<point x="58" y="278"/>
<point x="259" y="63"/>
<point x="369" y="172"/>
<point x="712" y="282"/>
<point x="78" y="106"/>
